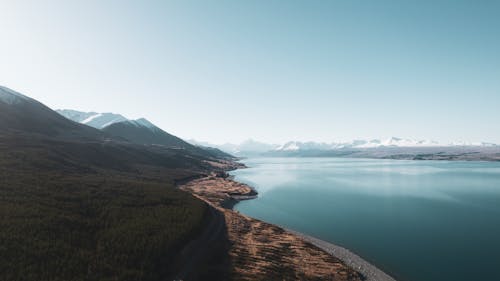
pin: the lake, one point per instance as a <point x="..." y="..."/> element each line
<point x="416" y="220"/>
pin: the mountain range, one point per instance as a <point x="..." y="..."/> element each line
<point x="255" y="147"/>
<point x="393" y="148"/>
<point x="140" y="131"/>
<point x="374" y="143"/>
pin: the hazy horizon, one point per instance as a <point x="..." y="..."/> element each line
<point x="272" y="71"/>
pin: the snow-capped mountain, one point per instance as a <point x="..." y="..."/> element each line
<point x="391" y="148"/>
<point x="466" y="143"/>
<point x="103" y="120"/>
<point x="140" y="131"/>
<point x="390" y="142"/>
<point x="295" y="145"/>
<point x="251" y="147"/>
<point x="93" y="119"/>
<point x="399" y="142"/>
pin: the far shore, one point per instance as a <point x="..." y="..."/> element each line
<point x="223" y="192"/>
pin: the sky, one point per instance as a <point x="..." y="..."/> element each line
<point x="274" y="71"/>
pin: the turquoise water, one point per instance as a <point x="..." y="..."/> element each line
<point x="416" y="220"/>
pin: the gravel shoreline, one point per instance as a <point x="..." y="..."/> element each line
<point x="368" y="270"/>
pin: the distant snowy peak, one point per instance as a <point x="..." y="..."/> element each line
<point x="251" y="147"/>
<point x="93" y="119"/>
<point x="295" y="145"/>
<point x="465" y="143"/>
<point x="374" y="143"/>
<point x="9" y="96"/>
<point x="399" y="142"/>
<point x="103" y="120"/>
<point x="289" y="146"/>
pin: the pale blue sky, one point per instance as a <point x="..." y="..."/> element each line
<point x="225" y="71"/>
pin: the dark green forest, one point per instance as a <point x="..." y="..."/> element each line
<point x="83" y="211"/>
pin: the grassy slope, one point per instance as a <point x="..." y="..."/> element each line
<point x="83" y="211"/>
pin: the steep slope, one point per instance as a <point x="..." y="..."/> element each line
<point x="143" y="132"/>
<point x="92" y="119"/>
<point x="217" y="152"/>
<point x="140" y="133"/>
<point x="21" y="114"/>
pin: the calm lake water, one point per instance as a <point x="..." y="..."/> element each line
<point x="416" y="220"/>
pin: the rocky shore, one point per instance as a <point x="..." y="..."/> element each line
<point x="369" y="271"/>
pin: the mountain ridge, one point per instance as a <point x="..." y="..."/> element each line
<point x="19" y="113"/>
<point x="92" y="119"/>
<point x="139" y="131"/>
